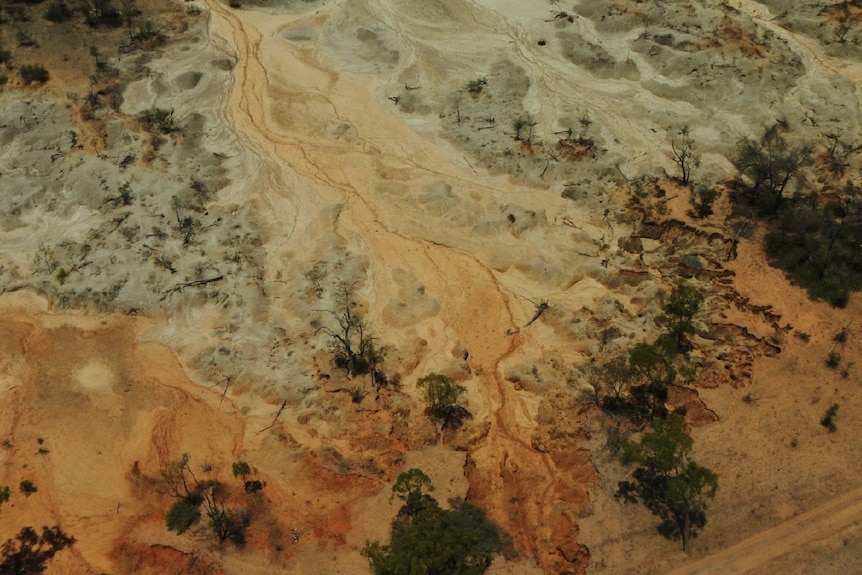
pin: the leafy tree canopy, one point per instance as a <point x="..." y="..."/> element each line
<point x="667" y="481"/>
<point x="434" y="541"/>
<point x="682" y="305"/>
<point x="441" y="394"/>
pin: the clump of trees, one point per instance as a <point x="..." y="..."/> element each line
<point x="667" y="481"/>
<point x="818" y="247"/>
<point x="636" y="384"/>
<point x="814" y="239"/>
<point x="160" y="119"/>
<point x="242" y="470"/>
<point x="426" y="539"/>
<point x="442" y="394"/>
<point x="665" y="478"/>
<point x="194" y="495"/>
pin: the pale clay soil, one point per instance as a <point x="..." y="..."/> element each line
<point x="336" y="145"/>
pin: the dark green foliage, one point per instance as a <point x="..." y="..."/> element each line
<point x="31" y="73"/>
<point x="519" y="124"/>
<point x="434" y="541"/>
<point x="441" y="394"/>
<point x="816" y="243"/>
<point x="680" y="309"/>
<point x="25" y="39"/>
<point x="27" y="487"/>
<point x="125" y="196"/>
<point x="701" y="200"/>
<point x="841" y="336"/>
<point x="819" y="249"/>
<point x="180" y="482"/>
<point x="241" y="469"/>
<point x="29" y="551"/>
<point x="833" y="359"/>
<point x="652" y="372"/>
<point x="183" y="514"/>
<point x="101" y="13"/>
<point x="667" y="481"/>
<point x="828" y="419"/>
<point x="613" y="381"/>
<point x="412" y="487"/>
<point x="636" y="386"/>
<point x="5" y="56"/>
<point x="4" y="494"/>
<point x="58" y="11"/>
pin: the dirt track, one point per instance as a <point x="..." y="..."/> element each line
<point x="803" y="531"/>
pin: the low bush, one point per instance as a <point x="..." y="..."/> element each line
<point x="828" y="419"/>
<point x="183" y="514"/>
<point x="58" y="12"/>
<point x="31" y="73"/>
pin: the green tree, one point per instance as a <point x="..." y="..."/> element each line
<point x="612" y="381"/>
<point x="680" y="309"/>
<point x="652" y="371"/>
<point x="828" y="419"/>
<point x="412" y="487"/>
<point x="434" y="541"/>
<point x="667" y="481"/>
<point x="27" y="487"/>
<point x="241" y="469"/>
<point x="183" y="514"/>
<point x="441" y="394"/>
<point x="701" y="199"/>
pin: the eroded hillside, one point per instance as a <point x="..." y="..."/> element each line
<point x="492" y="187"/>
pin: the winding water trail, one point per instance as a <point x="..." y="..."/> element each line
<point x="282" y="103"/>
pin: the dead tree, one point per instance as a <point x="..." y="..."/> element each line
<point x="355" y="349"/>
